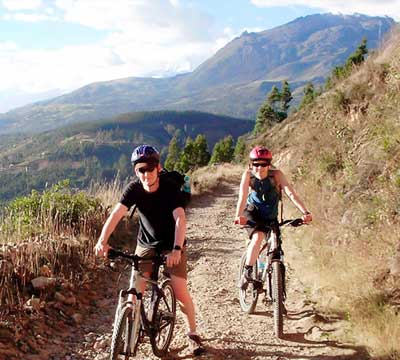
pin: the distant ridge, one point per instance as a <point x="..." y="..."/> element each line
<point x="233" y="82"/>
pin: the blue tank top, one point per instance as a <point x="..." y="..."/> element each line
<point x="264" y="196"/>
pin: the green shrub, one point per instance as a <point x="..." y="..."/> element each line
<point x="59" y="206"/>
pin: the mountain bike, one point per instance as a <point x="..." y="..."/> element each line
<point x="269" y="275"/>
<point x="134" y="319"/>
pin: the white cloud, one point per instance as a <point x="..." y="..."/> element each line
<point x="14" y="5"/>
<point x="369" y="7"/>
<point x="143" y="38"/>
<point x="27" y="17"/>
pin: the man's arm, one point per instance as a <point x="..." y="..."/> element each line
<point x="119" y="211"/>
<point x="180" y="231"/>
<point x="294" y="198"/>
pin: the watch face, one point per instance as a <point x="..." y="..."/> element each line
<point x="177" y="247"/>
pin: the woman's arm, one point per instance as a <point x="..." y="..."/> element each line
<point x="243" y="193"/>
<point x="292" y="195"/>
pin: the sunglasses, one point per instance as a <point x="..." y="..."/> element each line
<point x="148" y="168"/>
<point x="263" y="164"/>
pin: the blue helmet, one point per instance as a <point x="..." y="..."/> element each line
<point x="145" y="154"/>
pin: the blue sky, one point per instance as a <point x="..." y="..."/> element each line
<point x="49" y="47"/>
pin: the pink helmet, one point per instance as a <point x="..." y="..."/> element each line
<point x="260" y="153"/>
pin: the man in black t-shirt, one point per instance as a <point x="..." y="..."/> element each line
<point x="162" y="228"/>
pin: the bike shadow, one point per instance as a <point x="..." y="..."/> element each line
<point x="232" y="351"/>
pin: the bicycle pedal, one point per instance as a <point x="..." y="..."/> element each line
<point x="257" y="285"/>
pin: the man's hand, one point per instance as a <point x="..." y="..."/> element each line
<point x="174" y="258"/>
<point x="101" y="249"/>
<point x="307" y="218"/>
<point x="240" y="220"/>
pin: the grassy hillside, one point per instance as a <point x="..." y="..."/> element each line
<point x="343" y="155"/>
<point x="99" y="150"/>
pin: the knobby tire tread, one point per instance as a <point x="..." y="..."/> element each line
<point x="247" y="303"/>
<point x="161" y="350"/>
<point x="124" y="321"/>
<point x="277" y="297"/>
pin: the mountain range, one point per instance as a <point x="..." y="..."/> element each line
<point x="234" y="81"/>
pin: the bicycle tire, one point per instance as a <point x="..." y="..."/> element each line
<point x="163" y="322"/>
<point x="277" y="298"/>
<point x="121" y="335"/>
<point x="247" y="297"/>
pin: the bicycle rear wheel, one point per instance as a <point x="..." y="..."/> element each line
<point x="277" y="297"/>
<point x="163" y="321"/>
<point x="248" y="296"/>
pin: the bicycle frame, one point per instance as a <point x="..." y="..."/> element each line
<point x="271" y="251"/>
<point x="140" y="316"/>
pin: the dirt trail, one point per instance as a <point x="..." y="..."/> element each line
<point x="215" y="247"/>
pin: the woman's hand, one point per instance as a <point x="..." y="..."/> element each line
<point x="240" y="220"/>
<point x="307" y="217"/>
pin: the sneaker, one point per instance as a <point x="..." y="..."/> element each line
<point x="245" y="280"/>
<point x="195" y="345"/>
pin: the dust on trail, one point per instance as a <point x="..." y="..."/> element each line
<point x="215" y="248"/>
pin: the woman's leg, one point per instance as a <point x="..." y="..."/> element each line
<point x="254" y="247"/>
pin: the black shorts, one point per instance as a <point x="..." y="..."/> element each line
<point x="258" y="223"/>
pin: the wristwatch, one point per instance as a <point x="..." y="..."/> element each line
<point x="178" y="247"/>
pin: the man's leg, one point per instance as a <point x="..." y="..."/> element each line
<point x="184" y="300"/>
<point x="186" y="304"/>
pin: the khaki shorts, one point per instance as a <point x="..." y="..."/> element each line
<point x="179" y="270"/>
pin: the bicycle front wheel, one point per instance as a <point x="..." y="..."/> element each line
<point x="163" y="322"/>
<point x="122" y="334"/>
<point x="248" y="295"/>
<point x="277" y="297"/>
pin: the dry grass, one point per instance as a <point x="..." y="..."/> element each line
<point x="45" y="244"/>
<point x="343" y="157"/>
<point x="208" y="178"/>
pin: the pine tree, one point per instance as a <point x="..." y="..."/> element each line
<point x="223" y="150"/>
<point x="265" y="118"/>
<point x="174" y="153"/>
<point x="285" y="98"/>
<point x="187" y="159"/>
<point x="202" y="155"/>
<point x="358" y="56"/>
<point x="274" y="98"/>
<point x="240" y="149"/>
<point x="309" y="95"/>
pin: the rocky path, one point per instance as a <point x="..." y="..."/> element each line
<point x="215" y="247"/>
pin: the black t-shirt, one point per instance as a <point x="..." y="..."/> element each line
<point x="157" y="224"/>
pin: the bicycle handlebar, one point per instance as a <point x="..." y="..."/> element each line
<point x="156" y="259"/>
<point x="292" y="222"/>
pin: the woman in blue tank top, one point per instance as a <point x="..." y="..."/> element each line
<point x="259" y="194"/>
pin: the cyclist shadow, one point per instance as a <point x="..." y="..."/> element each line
<point x="359" y="352"/>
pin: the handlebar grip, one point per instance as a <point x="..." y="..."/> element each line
<point x="113" y="254"/>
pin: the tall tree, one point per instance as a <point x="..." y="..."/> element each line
<point x="201" y="151"/>
<point x="286" y="96"/>
<point x="174" y="153"/>
<point x="274" y="98"/>
<point x="358" y="56"/>
<point x="240" y="149"/>
<point x="187" y="159"/>
<point x="265" y="118"/>
<point x="223" y="150"/>
<point x="309" y="95"/>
